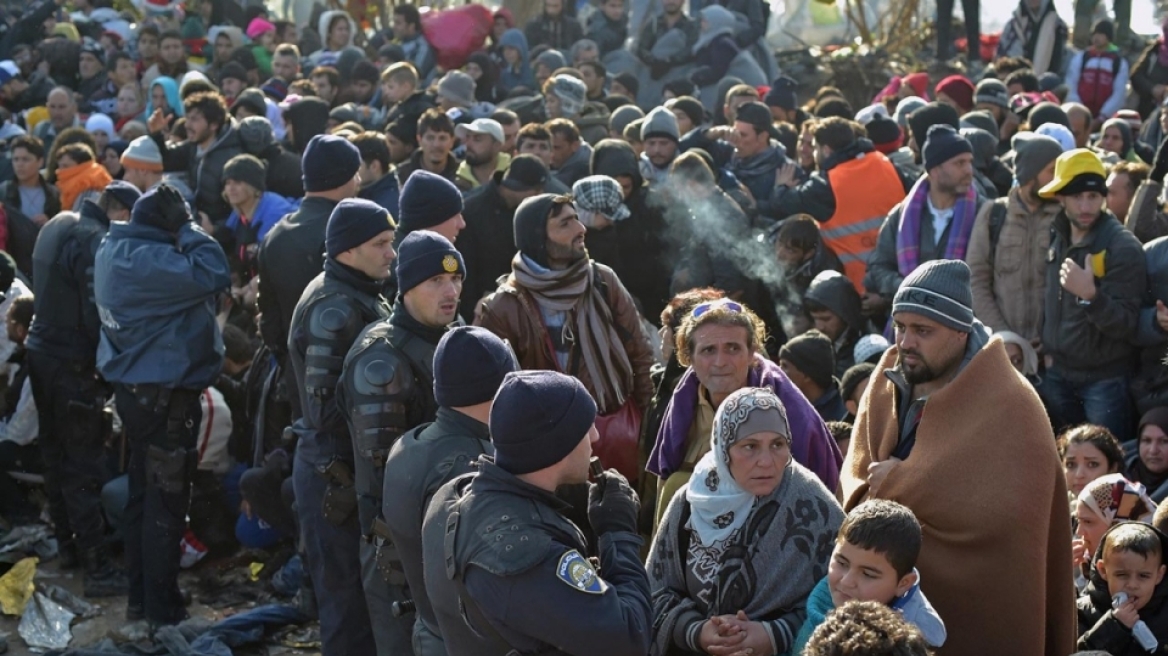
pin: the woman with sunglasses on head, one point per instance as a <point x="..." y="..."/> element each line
<point x="720" y="342"/>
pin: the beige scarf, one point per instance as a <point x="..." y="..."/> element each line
<point x="571" y="290"/>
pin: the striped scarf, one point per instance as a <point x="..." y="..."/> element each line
<point x="908" y="236"/>
<point x="591" y="325"/>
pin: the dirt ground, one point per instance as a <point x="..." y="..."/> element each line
<point x="201" y="581"/>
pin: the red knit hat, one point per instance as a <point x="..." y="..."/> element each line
<point x="959" y="89"/>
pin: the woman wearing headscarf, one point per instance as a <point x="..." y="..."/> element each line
<point x="1116" y="137"/>
<point x="164" y="95"/>
<point x="1105" y="502"/>
<point x="744" y="542"/>
<point x="1148" y="464"/>
<point x="485" y="72"/>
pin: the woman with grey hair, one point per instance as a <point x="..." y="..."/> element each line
<point x="743" y="543"/>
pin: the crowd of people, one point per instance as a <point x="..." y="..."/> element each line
<point x="613" y="339"/>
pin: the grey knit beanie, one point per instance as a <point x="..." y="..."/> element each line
<point x="620" y="118"/>
<point x="939" y="290"/>
<point x="660" y="122"/>
<point x="1033" y="153"/>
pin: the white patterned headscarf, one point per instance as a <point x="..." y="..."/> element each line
<point x="719" y="506"/>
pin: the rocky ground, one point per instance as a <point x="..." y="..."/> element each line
<point x="218" y="589"/>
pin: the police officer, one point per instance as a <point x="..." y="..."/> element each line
<point x="520" y="570"/>
<point x="335" y="307"/>
<point x="156" y="280"/>
<point x="469" y="366"/>
<point x="387" y="389"/>
<point x="62" y="357"/>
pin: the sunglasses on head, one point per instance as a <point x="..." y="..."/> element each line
<point x="729" y="306"/>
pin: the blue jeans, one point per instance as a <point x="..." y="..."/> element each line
<point x="1103" y="402"/>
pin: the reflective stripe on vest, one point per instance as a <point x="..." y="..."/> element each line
<point x="865" y="189"/>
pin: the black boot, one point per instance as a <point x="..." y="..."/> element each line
<point x="103" y="578"/>
<point x="67" y="555"/>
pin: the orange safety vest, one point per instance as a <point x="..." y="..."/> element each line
<point x="865" y="189"/>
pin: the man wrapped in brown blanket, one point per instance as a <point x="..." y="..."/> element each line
<point x="949" y="429"/>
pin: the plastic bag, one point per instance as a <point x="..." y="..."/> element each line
<point x="45" y="624"/>
<point x="455" y="33"/>
<point x="16" y="587"/>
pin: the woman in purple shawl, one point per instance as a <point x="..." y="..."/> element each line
<point x="720" y="342"/>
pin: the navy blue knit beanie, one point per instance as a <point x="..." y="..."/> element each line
<point x="942" y="145"/>
<point x="424" y="254"/>
<point x="538" y="418"/>
<point x="353" y="222"/>
<point x="427" y="199"/>
<point x="328" y="162"/>
<point x="469" y="366"/>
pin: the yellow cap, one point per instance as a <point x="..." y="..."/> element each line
<point x="1069" y="166"/>
<point x="34" y="116"/>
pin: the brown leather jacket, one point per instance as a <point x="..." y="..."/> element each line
<point x="513" y="314"/>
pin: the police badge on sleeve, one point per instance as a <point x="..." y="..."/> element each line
<point x="576" y="571"/>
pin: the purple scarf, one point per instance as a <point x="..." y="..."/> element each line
<point x="908" y="236"/>
<point x="811" y="444"/>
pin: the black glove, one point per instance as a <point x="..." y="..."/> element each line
<point x="612" y="504"/>
<point x="1160" y="162"/>
<point x="172" y="209"/>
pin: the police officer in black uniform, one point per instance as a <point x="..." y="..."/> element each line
<point x="335" y="307"/>
<point x="469" y="366"/>
<point x="70" y="398"/>
<point x="520" y="570"/>
<point x="385" y="390"/>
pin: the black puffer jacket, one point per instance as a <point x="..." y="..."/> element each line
<point x="1098" y="628"/>
<point x="204" y="172"/>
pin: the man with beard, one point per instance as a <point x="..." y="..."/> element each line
<point x="212" y="140"/>
<point x="933" y="222"/>
<point x="920" y="439"/>
<point x="483" y="139"/>
<point x="660" y="135"/>
<point x="757" y="156"/>
<point x="1007" y="273"/>
<point x="1095" y="280"/>
<point x="560" y="310"/>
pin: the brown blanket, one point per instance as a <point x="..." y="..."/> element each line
<point x="985" y="481"/>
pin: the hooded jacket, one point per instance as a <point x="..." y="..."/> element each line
<point x="173" y="100"/>
<point x="1092" y="342"/>
<point x="1146" y="73"/>
<point x="576" y="166"/>
<point x="271" y="208"/>
<point x="1098" y="628"/>
<point x="510" y="76"/>
<point x="325" y="57"/>
<point x="306" y="118"/>
<point x="646" y="250"/>
<point x="836" y="293"/>
<point x="155" y="291"/>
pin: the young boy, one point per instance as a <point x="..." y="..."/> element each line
<point x="400" y="95"/>
<point x="874" y="560"/>
<point x="1131" y="563"/>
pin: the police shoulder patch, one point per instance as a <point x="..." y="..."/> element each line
<point x="575" y="570"/>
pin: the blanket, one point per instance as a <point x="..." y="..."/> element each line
<point x="985" y="481"/>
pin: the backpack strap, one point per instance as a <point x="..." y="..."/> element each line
<point x="997" y="222"/>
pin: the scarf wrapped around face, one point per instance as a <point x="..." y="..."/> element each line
<point x="592" y="325"/>
<point x="1115" y="499"/>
